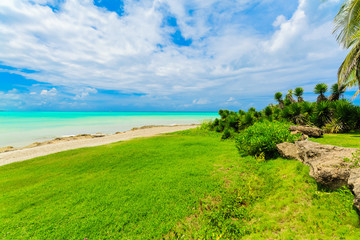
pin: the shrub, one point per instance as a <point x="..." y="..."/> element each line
<point x="268" y="111"/>
<point x="345" y="114"/>
<point x="228" y="133"/>
<point x="262" y="137"/>
<point x="206" y="125"/>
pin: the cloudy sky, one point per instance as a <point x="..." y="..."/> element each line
<point x="162" y="55"/>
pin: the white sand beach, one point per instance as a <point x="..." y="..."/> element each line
<point x="63" y="144"/>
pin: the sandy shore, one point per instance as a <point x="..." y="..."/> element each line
<point x="80" y="141"/>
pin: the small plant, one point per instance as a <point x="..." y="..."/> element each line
<point x="336" y="92"/>
<point x="298" y="93"/>
<point x="261" y="138"/>
<point x="278" y="97"/>
<point x="268" y="111"/>
<point x="320" y="89"/>
<point x="355" y="159"/>
<point x="226" y="134"/>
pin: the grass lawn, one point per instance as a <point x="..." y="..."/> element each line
<point x="342" y="140"/>
<point x="187" y="185"/>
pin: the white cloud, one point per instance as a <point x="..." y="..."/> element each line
<point x="83" y="93"/>
<point x="51" y="92"/>
<point x="279" y="21"/>
<point x="200" y="101"/>
<point x="88" y="48"/>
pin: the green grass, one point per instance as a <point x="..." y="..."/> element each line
<point x="182" y="185"/>
<point x="342" y="140"/>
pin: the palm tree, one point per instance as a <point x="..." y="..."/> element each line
<point x="336" y="92"/>
<point x="320" y="88"/>
<point x="299" y="92"/>
<point x="290" y="97"/>
<point x="347" y="28"/>
<point x="278" y="97"/>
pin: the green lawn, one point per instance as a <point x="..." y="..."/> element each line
<point x="342" y="140"/>
<point x="187" y="185"/>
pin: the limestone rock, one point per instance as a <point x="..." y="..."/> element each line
<point x="309" y="131"/>
<point x="354" y="184"/>
<point x="326" y="162"/>
<point x="288" y="150"/>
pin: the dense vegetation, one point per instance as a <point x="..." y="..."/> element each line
<point x="331" y="113"/>
<point x="187" y="185"/>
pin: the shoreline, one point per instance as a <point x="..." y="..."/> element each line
<point x="10" y="154"/>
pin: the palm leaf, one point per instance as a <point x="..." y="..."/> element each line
<point x="348" y="72"/>
<point x="347" y="22"/>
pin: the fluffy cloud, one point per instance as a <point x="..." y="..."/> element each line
<point x="51" y="92"/>
<point x="83" y="93"/>
<point x="81" y="46"/>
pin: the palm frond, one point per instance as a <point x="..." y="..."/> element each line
<point x="347" y="22"/>
<point x="349" y="66"/>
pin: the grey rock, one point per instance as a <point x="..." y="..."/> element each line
<point x="309" y="131"/>
<point x="327" y="164"/>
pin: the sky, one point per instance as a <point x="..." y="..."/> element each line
<point x="163" y="55"/>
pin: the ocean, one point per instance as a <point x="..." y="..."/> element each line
<point x="19" y="129"/>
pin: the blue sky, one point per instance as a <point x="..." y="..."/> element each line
<point x="162" y="55"/>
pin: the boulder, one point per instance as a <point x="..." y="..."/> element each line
<point x="303" y="136"/>
<point x="326" y="162"/>
<point x="330" y="166"/>
<point x="354" y="184"/>
<point x="288" y="150"/>
<point x="309" y="131"/>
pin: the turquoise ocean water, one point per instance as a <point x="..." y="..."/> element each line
<point x="19" y="129"/>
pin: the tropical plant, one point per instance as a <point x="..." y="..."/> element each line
<point x="320" y="89"/>
<point x="336" y="92"/>
<point x="322" y="114"/>
<point x="278" y="97"/>
<point x="289" y="96"/>
<point x="298" y="93"/>
<point x="344" y="113"/>
<point x="287" y="102"/>
<point x="347" y="29"/>
<point x="268" y="111"/>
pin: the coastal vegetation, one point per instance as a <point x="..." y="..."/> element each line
<point x="188" y="185"/>
<point x="333" y="114"/>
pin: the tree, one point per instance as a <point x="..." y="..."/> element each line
<point x="321" y="88"/>
<point x="290" y="97"/>
<point x="336" y="92"/>
<point x="299" y="92"/>
<point x="347" y="28"/>
<point x="278" y="97"/>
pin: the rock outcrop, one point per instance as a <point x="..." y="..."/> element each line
<point x="354" y="184"/>
<point x="330" y="166"/>
<point x="309" y="131"/>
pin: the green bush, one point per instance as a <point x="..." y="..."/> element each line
<point x="262" y="137"/>
<point x="227" y="133"/>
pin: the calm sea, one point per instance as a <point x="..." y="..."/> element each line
<point x="22" y="128"/>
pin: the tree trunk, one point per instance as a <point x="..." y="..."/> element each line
<point x="292" y="100"/>
<point x="334" y="97"/>
<point x="300" y="99"/>
<point x="281" y="104"/>
<point x="321" y="98"/>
